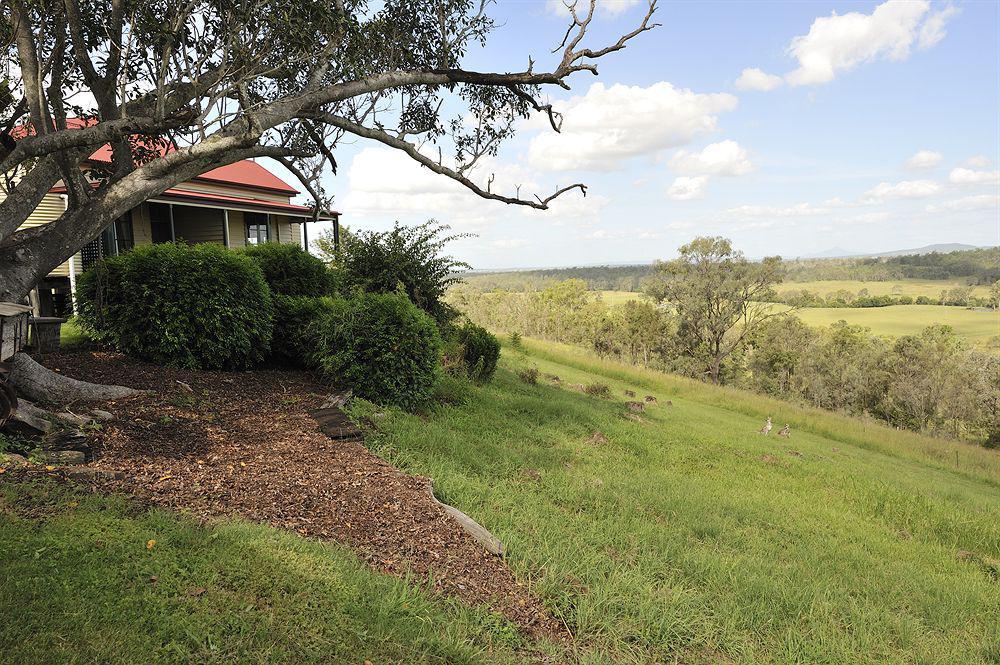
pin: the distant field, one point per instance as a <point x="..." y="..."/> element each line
<point x="902" y="287"/>
<point x="976" y="326"/>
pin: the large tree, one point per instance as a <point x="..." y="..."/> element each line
<point x="718" y="296"/>
<point x="179" y="87"/>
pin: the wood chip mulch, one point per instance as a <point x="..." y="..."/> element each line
<point x="243" y="444"/>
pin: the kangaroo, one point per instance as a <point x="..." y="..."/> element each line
<point x="785" y="431"/>
<point x="766" y="429"/>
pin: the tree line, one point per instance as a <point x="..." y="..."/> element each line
<point x="974" y="267"/>
<point x="703" y="317"/>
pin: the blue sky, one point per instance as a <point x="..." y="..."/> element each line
<point x="861" y="125"/>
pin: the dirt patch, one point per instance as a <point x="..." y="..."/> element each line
<point x="244" y="444"/>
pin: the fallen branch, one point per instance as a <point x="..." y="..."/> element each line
<point x="478" y="532"/>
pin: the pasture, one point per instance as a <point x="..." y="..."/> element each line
<point x="899" y="287"/>
<point x="977" y="326"/>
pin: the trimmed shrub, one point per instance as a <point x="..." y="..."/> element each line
<point x="291" y="271"/>
<point x="481" y="351"/>
<point x="382" y="346"/>
<point x="199" y="306"/>
<point x="293" y="318"/>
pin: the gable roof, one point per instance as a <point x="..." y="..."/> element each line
<point x="246" y="173"/>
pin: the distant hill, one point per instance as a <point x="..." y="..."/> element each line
<point x="941" y="248"/>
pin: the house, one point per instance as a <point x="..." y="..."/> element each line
<point x="236" y="205"/>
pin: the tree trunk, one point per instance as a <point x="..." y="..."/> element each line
<point x="40" y="384"/>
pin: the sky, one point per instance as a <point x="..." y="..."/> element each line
<point x="789" y="127"/>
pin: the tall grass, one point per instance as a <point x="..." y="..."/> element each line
<point x="965" y="458"/>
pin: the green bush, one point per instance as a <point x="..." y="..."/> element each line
<point x="380" y="345"/>
<point x="481" y="351"/>
<point x="291" y="271"/>
<point x="293" y="318"/>
<point x="410" y="258"/>
<point x="199" y="306"/>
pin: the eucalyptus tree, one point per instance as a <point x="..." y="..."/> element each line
<point x="179" y="87"/>
<point x="718" y="296"/>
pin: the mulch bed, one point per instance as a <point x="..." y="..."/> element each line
<point x="243" y="444"/>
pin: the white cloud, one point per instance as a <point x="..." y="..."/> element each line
<point x="967" y="204"/>
<point x="722" y="158"/>
<point x="385" y="184"/>
<point x="978" y="161"/>
<point x="932" y="31"/>
<point x="686" y="188"/>
<point x="611" y="124"/>
<point x="753" y="78"/>
<point x="906" y="189"/>
<point x="839" y="43"/>
<point x="923" y="159"/>
<point x="612" y="7"/>
<point x="796" y="210"/>
<point x="961" y="176"/>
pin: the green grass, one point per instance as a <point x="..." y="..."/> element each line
<point x="899" y="287"/>
<point x="978" y="327"/>
<point x="76" y="587"/>
<point x="71" y="335"/>
<point x="685" y="538"/>
<point x="678" y="541"/>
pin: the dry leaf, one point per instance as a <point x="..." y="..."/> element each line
<point x="197" y="591"/>
<point x="2" y="469"/>
<point x="49" y="467"/>
<point x="150" y="544"/>
<point x="169" y="475"/>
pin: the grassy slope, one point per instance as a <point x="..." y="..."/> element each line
<point x="676" y="540"/>
<point x="75" y="588"/>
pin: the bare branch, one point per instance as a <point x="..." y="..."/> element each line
<point x="435" y="166"/>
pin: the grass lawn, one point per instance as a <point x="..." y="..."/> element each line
<point x="78" y="585"/>
<point x="684" y="538"/>
<point x="691" y="538"/>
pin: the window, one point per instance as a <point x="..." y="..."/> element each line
<point x="114" y="240"/>
<point x="124" y="237"/>
<point x="159" y="222"/>
<point x="257" y="231"/>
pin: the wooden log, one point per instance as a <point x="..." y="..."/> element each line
<point x="478" y="532"/>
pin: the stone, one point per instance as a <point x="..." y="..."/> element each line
<point x="88" y="474"/>
<point x="629" y="393"/>
<point x="13" y="459"/>
<point x="73" y="419"/>
<point x="636" y="407"/>
<point x="66" y="441"/>
<point x="101" y="414"/>
<point x="650" y="399"/>
<point x="65" y="457"/>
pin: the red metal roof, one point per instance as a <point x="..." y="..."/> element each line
<point x="247" y="174"/>
<point x="221" y="200"/>
<point x="257" y="204"/>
